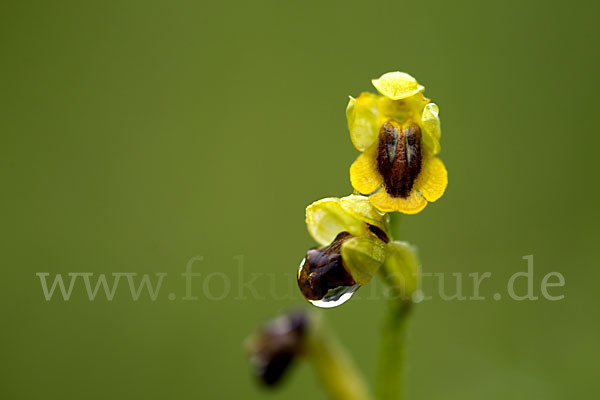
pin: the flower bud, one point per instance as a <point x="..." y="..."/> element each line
<point x="273" y="349"/>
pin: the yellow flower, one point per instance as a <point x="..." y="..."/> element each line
<point x="355" y="242"/>
<point x="398" y="133"/>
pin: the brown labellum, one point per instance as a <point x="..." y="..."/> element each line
<point x="323" y="270"/>
<point x="399" y="157"/>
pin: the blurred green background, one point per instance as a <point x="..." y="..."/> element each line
<point x="136" y="135"/>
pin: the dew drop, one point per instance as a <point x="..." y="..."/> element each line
<point x="336" y="297"/>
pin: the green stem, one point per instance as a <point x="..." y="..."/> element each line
<point x="395" y="224"/>
<point x="334" y="367"/>
<point x="390" y="371"/>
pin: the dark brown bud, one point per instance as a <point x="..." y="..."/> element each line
<point x="322" y="274"/>
<point x="276" y="345"/>
<point x="399" y="157"/>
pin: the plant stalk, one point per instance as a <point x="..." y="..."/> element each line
<point x="392" y="348"/>
<point x="390" y="371"/>
<point x="334" y="367"/>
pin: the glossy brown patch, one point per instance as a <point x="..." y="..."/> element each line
<point x="324" y="269"/>
<point x="399" y="157"/>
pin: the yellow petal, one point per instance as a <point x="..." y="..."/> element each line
<point x="401" y="269"/>
<point x="397" y="85"/>
<point x="412" y="204"/>
<point x="362" y="118"/>
<point x="361" y="207"/>
<point x="432" y="179"/>
<point x="326" y="218"/>
<point x="363" y="256"/>
<point x="364" y="176"/>
<point x="430" y="122"/>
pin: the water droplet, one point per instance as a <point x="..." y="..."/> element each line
<point x="336" y="297"/>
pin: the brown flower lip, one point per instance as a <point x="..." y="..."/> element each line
<point x="399" y="157"/>
<point x="323" y="270"/>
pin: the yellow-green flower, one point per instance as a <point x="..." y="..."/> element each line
<point x="398" y="133"/>
<point x="355" y="242"/>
